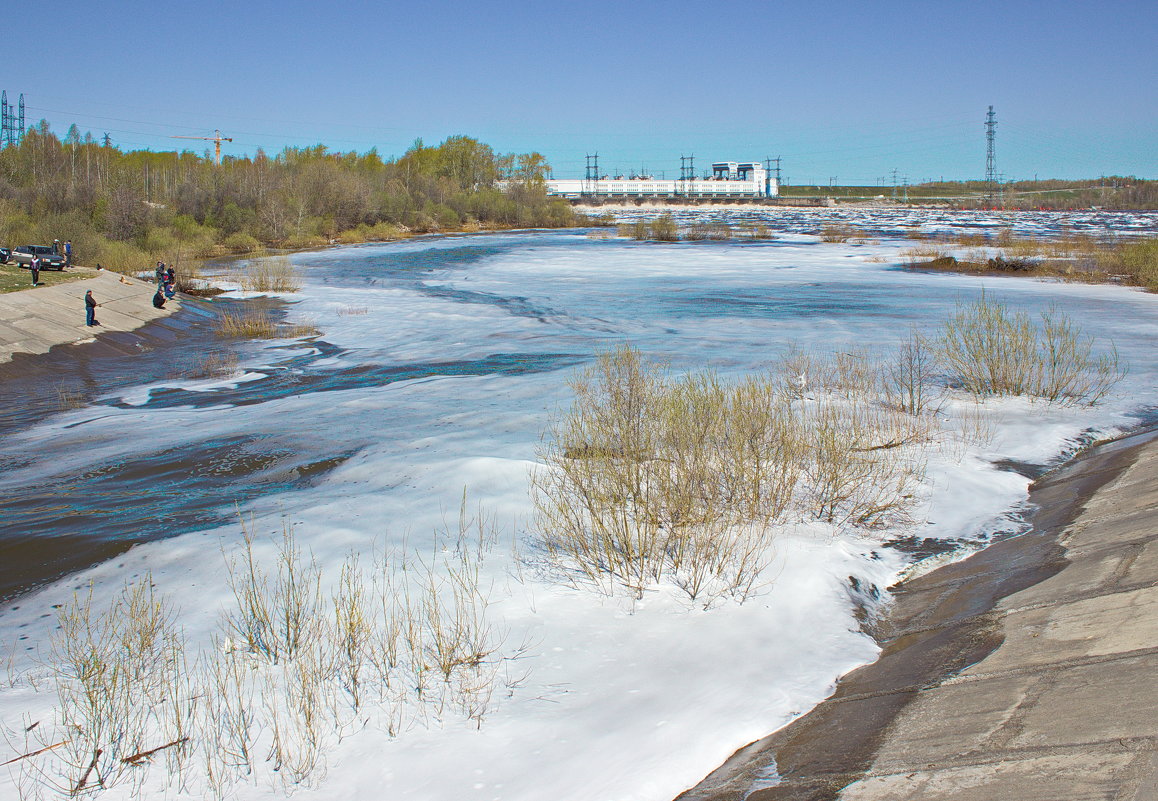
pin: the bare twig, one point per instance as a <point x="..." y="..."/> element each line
<point x="141" y="756"/>
<point x="91" y="767"/>
<point x="34" y="753"/>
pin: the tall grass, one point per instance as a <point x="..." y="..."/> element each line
<point x="259" y="325"/>
<point x="1139" y="260"/>
<point x="273" y="274"/>
<point x="301" y="660"/>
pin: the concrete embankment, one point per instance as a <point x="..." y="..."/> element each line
<point x="1025" y="672"/>
<point x="35" y="320"/>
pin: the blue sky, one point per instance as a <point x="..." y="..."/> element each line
<point x="841" y="90"/>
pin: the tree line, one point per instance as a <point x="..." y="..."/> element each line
<point x="128" y="208"/>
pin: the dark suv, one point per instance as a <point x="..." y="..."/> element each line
<point x="49" y="259"/>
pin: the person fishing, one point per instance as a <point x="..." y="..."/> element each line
<point x="159" y="297"/>
<point x="90" y="307"/>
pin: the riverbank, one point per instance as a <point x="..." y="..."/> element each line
<point x="1024" y="671"/>
<point x="38" y="319"/>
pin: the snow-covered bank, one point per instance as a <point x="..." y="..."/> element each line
<point x="438" y="366"/>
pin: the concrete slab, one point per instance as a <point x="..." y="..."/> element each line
<point x="1100" y="533"/>
<point x="1111" y="624"/>
<point x="1144" y="568"/>
<point x="1085" y="575"/>
<point x="1093" y="704"/>
<point x="951" y="721"/>
<point x="1068" y="777"/>
<point x="35" y="320"/>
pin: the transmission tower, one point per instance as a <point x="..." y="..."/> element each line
<point x="11" y="122"/>
<point x="591" y="177"/>
<point x="990" y="157"/>
<point x="768" y="169"/>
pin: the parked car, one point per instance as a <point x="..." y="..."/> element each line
<point x="5" y="255"/>
<point x="49" y="259"/>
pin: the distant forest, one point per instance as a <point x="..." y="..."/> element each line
<point x="127" y="209"/>
<point x="1114" y="193"/>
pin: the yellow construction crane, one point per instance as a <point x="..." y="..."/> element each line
<point x="216" y="139"/>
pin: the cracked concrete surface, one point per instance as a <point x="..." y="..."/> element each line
<point x="1066" y="707"/>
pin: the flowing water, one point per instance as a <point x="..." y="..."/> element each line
<point x="439" y="362"/>
<point x="153" y="458"/>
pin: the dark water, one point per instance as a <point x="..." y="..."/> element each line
<point x="65" y="521"/>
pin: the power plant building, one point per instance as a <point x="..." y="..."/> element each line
<point x="729" y="180"/>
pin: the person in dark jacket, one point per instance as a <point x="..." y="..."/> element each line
<point x="159" y="299"/>
<point x="34" y="265"/>
<point x="90" y="307"/>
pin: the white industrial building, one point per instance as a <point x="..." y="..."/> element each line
<point x="729" y="179"/>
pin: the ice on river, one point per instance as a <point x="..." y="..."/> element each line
<point x="438" y="365"/>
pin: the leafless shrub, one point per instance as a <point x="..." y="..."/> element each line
<point x="908" y="378"/>
<point x="647" y="478"/>
<point x="115" y="671"/>
<point x="213" y="364"/>
<point x="708" y="230"/>
<point x="840" y="232"/>
<point x="68" y="398"/>
<point x="863" y="466"/>
<point x="757" y="232"/>
<point x="990" y="350"/>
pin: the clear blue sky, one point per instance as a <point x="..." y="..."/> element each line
<point x="844" y="90"/>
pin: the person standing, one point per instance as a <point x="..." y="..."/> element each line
<point x="68" y="253"/>
<point x="90" y="306"/>
<point x="34" y="265"/>
<point x="56" y="246"/>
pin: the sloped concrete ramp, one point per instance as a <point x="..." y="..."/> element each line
<point x="1027" y="672"/>
<point x="35" y="320"/>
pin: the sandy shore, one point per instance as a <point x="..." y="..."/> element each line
<point x="1023" y="672"/>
